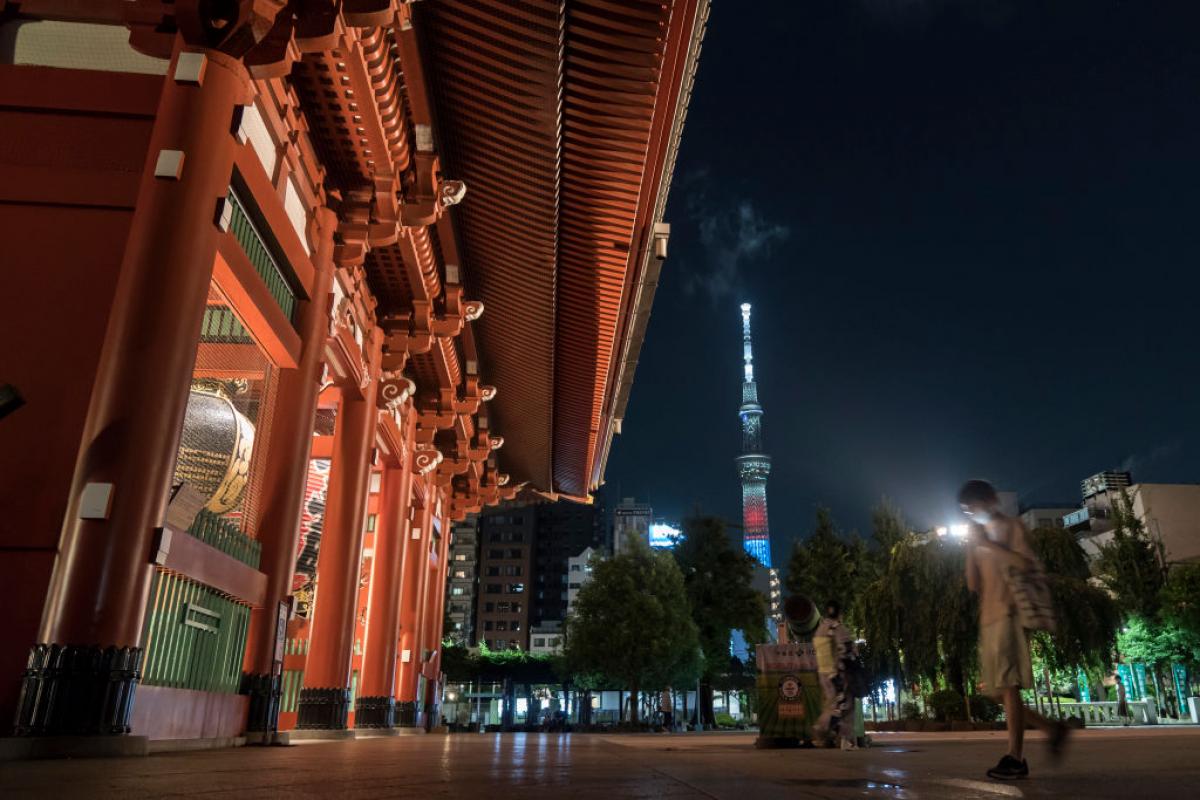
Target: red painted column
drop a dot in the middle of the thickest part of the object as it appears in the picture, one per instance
(82, 674)
(325, 698)
(284, 477)
(424, 607)
(376, 705)
(436, 620)
(416, 561)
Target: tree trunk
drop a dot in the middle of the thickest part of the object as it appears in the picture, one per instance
(704, 705)
(633, 705)
(685, 708)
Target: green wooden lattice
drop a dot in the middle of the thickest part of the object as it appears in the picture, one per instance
(256, 249)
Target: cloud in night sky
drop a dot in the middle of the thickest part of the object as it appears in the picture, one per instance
(732, 235)
(1134, 462)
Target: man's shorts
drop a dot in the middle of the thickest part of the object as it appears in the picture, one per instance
(1004, 655)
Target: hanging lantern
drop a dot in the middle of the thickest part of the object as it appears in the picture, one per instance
(218, 441)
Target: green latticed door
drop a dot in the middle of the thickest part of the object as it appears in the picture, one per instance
(195, 636)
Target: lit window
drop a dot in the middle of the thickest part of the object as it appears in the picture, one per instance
(540, 641)
(371, 520)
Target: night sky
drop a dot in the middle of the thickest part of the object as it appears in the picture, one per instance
(971, 235)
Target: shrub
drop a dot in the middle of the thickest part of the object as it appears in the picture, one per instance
(947, 705)
(984, 708)
(910, 710)
(725, 720)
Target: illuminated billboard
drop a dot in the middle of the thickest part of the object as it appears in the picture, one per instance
(664, 535)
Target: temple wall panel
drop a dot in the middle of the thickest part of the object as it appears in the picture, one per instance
(39, 443)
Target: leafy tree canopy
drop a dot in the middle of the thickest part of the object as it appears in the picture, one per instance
(1131, 565)
(717, 577)
(1088, 616)
(821, 567)
(1158, 643)
(632, 623)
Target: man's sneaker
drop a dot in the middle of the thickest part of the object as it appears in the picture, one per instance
(1009, 769)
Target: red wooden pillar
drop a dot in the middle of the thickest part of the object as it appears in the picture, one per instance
(416, 567)
(325, 698)
(82, 675)
(376, 704)
(284, 477)
(436, 605)
(424, 607)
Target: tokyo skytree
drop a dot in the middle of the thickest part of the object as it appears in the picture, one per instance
(753, 465)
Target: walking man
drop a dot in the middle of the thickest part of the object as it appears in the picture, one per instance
(996, 543)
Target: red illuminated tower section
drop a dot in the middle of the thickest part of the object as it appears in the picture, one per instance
(753, 465)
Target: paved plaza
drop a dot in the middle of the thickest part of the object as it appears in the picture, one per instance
(1127, 763)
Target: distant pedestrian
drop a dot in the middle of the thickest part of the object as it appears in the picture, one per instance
(998, 556)
(1122, 702)
(835, 650)
(666, 704)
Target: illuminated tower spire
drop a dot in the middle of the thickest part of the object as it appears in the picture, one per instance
(753, 465)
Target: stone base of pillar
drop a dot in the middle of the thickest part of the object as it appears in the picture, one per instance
(375, 712)
(323, 709)
(264, 692)
(69, 690)
(406, 714)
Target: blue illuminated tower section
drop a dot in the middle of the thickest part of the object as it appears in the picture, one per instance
(753, 465)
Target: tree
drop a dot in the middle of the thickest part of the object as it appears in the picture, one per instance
(1132, 565)
(921, 622)
(888, 528)
(1087, 615)
(820, 567)
(718, 580)
(1181, 597)
(632, 623)
(1158, 644)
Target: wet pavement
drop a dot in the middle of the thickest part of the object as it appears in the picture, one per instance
(1122, 763)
